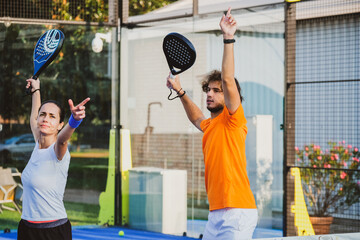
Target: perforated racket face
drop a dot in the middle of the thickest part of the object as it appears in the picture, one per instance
(179, 52)
(46, 49)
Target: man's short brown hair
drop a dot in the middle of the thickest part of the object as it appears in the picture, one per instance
(215, 76)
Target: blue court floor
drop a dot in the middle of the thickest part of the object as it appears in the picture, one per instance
(195, 228)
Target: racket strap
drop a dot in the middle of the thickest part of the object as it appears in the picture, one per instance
(177, 96)
(31, 93)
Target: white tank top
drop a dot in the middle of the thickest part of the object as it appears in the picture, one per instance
(44, 180)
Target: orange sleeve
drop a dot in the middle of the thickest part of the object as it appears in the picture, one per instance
(204, 124)
(237, 119)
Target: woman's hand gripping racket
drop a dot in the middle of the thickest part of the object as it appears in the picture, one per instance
(180, 54)
(47, 48)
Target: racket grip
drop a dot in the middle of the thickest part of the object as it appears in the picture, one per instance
(172, 76)
(28, 90)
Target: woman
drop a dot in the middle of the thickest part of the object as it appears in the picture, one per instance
(45, 175)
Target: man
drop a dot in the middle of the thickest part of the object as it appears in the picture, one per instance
(233, 213)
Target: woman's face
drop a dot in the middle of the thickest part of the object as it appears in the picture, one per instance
(48, 120)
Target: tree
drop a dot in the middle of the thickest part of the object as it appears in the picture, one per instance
(76, 73)
(138, 7)
(73, 10)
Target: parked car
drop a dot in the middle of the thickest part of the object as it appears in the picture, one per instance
(17, 148)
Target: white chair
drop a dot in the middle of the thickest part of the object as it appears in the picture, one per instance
(8, 189)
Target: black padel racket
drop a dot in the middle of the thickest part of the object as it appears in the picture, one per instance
(47, 48)
(179, 52)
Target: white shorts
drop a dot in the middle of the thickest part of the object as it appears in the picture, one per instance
(231, 223)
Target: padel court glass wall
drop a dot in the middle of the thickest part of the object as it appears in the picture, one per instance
(322, 116)
(78, 72)
(161, 134)
(318, 60)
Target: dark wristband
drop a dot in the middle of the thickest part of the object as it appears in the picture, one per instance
(227, 41)
(182, 94)
(177, 92)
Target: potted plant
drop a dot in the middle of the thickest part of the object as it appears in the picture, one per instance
(330, 179)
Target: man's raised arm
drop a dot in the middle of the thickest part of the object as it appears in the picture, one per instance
(231, 94)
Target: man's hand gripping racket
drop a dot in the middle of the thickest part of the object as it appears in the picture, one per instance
(180, 55)
(47, 48)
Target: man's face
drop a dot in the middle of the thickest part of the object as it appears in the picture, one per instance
(215, 97)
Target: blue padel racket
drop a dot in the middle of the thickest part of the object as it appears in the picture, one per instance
(180, 54)
(47, 48)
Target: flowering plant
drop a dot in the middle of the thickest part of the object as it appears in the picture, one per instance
(330, 177)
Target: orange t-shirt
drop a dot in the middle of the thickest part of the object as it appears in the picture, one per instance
(226, 179)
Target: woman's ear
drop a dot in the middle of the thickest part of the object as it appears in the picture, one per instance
(61, 125)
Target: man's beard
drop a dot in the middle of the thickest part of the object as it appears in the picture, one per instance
(216, 109)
